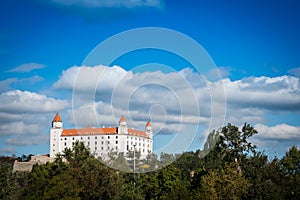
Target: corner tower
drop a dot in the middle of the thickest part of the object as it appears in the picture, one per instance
(57, 121)
(148, 129)
(55, 132)
(123, 129)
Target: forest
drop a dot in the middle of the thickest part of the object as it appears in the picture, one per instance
(228, 167)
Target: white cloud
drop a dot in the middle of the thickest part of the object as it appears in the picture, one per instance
(28, 67)
(278, 132)
(89, 79)
(17, 101)
(218, 73)
(278, 93)
(31, 80)
(295, 72)
(184, 96)
(276, 140)
(112, 91)
(19, 128)
(109, 3)
(25, 140)
(5, 84)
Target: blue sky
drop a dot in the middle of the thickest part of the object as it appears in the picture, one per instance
(254, 44)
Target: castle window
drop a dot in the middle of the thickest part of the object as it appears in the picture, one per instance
(88, 138)
(65, 144)
(95, 137)
(101, 142)
(95, 142)
(65, 138)
(95, 148)
(101, 148)
(108, 137)
(116, 137)
(73, 138)
(108, 147)
(72, 143)
(117, 142)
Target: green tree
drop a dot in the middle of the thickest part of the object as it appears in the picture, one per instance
(7, 183)
(227, 184)
(290, 167)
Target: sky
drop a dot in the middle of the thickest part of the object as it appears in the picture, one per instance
(188, 66)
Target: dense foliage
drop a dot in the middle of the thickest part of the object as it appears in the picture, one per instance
(229, 167)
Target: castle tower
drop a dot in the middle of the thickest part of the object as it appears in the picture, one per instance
(55, 132)
(148, 129)
(57, 121)
(123, 129)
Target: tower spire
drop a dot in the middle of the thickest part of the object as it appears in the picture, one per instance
(57, 118)
(57, 121)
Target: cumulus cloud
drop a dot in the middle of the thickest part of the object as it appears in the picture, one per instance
(218, 73)
(275, 140)
(17, 101)
(184, 96)
(19, 128)
(116, 92)
(25, 140)
(28, 67)
(278, 93)
(278, 132)
(89, 79)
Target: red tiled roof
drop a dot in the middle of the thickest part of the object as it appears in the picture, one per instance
(99, 131)
(137, 133)
(57, 118)
(89, 131)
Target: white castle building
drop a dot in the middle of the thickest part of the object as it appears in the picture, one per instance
(101, 141)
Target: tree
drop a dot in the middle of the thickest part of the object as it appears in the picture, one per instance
(290, 167)
(291, 162)
(7, 183)
(227, 184)
(235, 142)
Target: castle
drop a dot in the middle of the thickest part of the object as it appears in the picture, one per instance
(101, 141)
